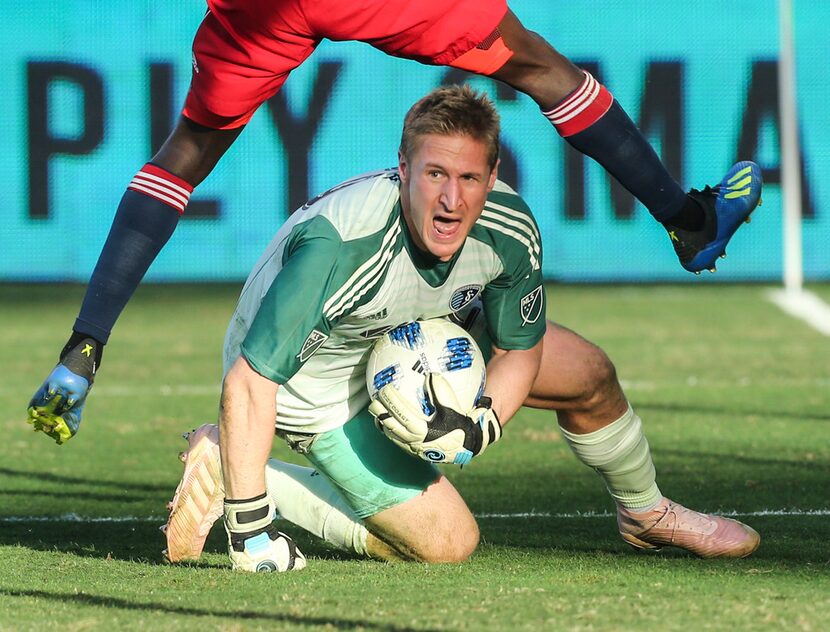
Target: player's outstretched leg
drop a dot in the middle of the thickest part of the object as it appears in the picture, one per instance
(671, 524)
(725, 207)
(197, 503)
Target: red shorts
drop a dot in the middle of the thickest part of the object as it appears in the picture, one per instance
(244, 49)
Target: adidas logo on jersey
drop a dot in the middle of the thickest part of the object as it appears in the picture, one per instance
(377, 332)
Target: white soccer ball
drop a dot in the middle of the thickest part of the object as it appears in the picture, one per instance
(404, 355)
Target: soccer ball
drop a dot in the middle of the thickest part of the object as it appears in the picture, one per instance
(405, 354)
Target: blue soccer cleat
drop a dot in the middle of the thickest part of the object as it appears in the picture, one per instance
(57, 406)
(725, 208)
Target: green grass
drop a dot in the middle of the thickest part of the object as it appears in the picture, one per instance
(734, 395)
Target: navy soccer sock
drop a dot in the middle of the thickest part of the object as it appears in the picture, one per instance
(145, 220)
(594, 123)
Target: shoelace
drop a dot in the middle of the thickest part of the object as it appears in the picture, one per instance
(698, 519)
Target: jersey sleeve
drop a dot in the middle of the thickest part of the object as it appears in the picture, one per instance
(291, 324)
(514, 302)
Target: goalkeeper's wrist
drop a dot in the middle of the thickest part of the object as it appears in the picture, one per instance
(247, 518)
(486, 418)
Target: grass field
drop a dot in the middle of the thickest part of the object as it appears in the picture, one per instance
(734, 395)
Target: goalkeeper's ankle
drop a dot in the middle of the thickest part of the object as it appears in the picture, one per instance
(82, 354)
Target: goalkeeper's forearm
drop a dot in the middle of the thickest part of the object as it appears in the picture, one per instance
(510, 376)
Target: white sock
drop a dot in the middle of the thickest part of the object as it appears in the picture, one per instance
(305, 497)
(619, 453)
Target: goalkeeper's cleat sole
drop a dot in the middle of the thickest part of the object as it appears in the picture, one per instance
(269, 551)
(198, 500)
(671, 524)
(725, 207)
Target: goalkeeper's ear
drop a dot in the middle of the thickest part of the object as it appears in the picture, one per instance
(440, 391)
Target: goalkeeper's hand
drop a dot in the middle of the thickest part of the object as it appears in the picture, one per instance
(56, 407)
(448, 435)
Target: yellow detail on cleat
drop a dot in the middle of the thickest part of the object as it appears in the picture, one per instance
(713, 269)
(742, 184)
(736, 194)
(743, 172)
(87, 350)
(673, 236)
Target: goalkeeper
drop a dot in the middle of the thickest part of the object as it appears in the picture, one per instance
(437, 236)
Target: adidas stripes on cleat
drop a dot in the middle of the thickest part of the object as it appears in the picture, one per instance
(197, 503)
(725, 208)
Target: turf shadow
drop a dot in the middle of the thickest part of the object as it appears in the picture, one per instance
(64, 495)
(134, 541)
(86, 599)
(62, 479)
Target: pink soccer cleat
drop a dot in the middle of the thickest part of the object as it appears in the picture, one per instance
(199, 498)
(670, 524)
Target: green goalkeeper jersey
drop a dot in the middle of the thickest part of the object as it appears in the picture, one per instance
(343, 270)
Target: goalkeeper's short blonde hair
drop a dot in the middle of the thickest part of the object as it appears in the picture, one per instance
(451, 110)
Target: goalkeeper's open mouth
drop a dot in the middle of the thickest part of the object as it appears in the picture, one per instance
(445, 228)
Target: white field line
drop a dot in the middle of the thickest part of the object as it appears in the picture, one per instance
(202, 390)
(805, 306)
(608, 514)
(75, 518)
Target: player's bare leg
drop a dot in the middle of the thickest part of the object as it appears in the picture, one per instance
(579, 382)
(434, 527)
(191, 151)
(536, 68)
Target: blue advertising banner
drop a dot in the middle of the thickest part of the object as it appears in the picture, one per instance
(93, 88)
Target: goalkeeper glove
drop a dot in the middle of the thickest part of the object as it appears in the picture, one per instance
(254, 543)
(56, 407)
(446, 436)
